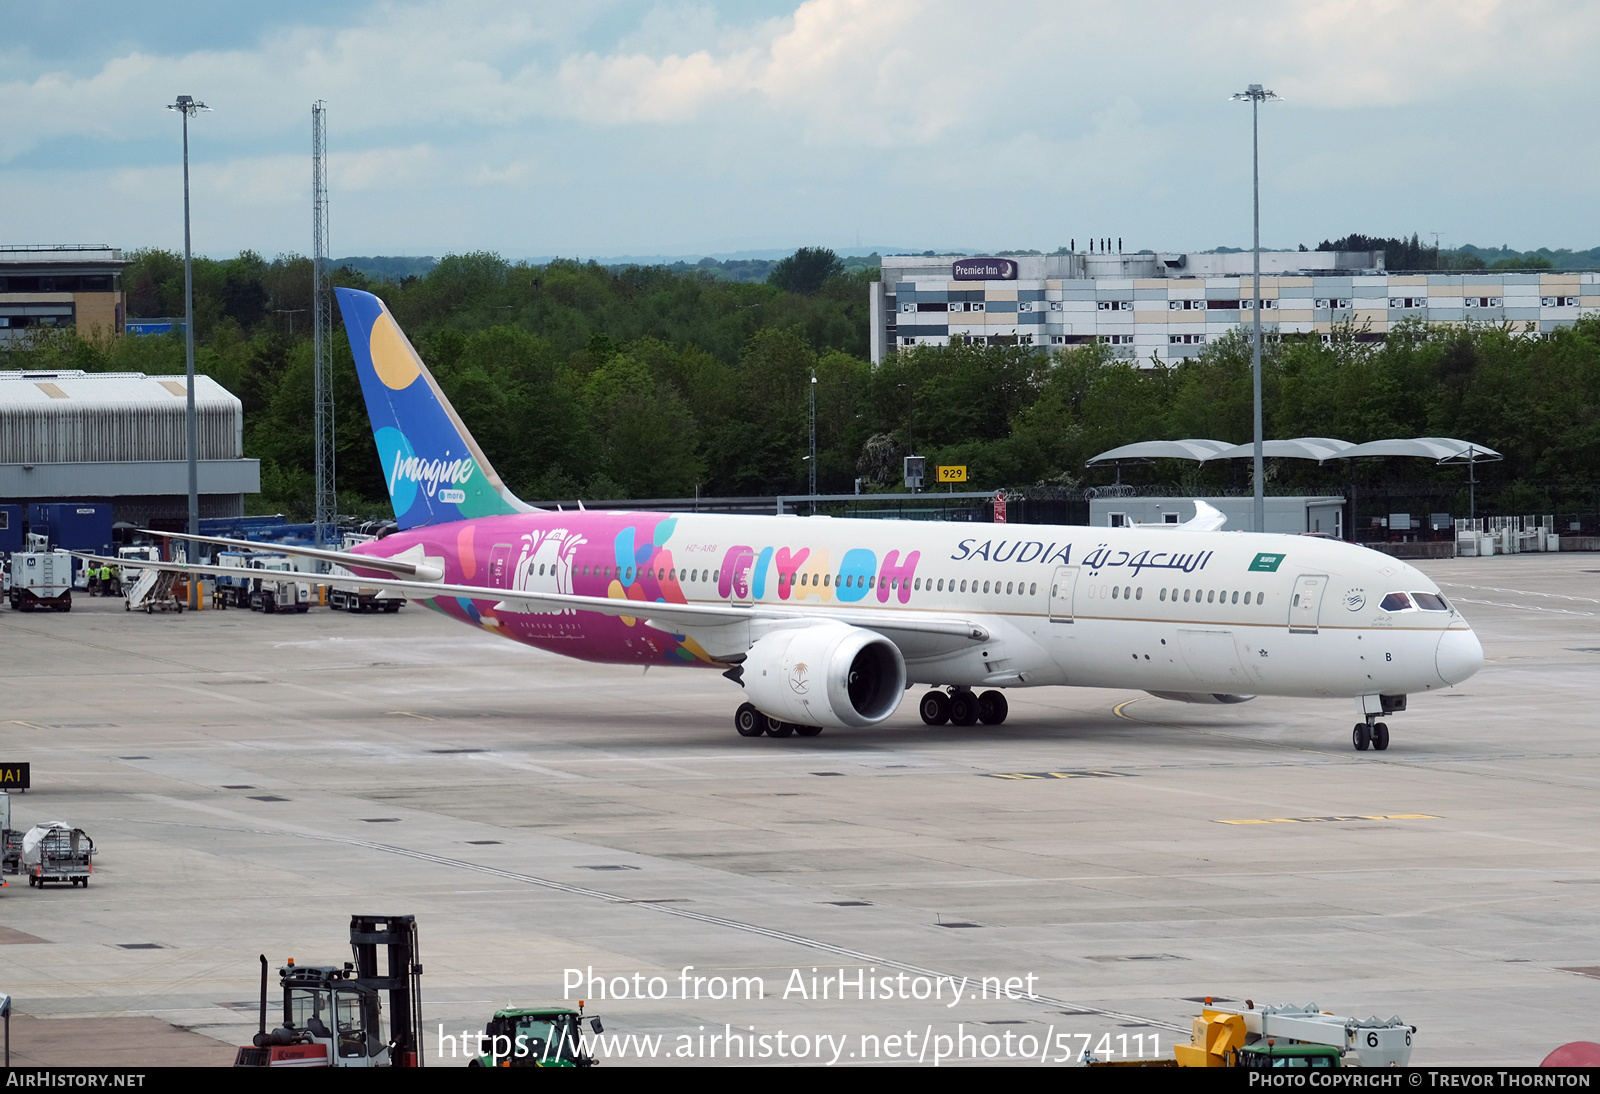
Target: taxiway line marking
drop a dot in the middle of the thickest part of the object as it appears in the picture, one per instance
(1353, 817)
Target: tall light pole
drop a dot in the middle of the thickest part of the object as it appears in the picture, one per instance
(813, 457)
(1257, 95)
(187, 106)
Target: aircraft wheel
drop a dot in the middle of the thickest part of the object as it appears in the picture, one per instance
(775, 728)
(1361, 736)
(749, 721)
(935, 708)
(807, 731)
(963, 709)
(992, 708)
(1380, 736)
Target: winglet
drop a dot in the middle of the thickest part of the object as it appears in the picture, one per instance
(1207, 518)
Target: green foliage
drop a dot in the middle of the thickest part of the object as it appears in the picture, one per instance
(582, 381)
(806, 271)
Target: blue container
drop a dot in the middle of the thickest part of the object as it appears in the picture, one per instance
(73, 525)
(11, 528)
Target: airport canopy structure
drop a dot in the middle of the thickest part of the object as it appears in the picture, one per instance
(1438, 449)
(1192, 449)
(1300, 448)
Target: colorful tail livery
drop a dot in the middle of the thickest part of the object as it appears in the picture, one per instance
(435, 471)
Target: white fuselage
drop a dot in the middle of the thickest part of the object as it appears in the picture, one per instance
(1155, 609)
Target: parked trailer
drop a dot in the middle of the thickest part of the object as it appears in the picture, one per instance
(55, 853)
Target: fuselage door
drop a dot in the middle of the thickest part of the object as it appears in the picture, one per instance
(1062, 586)
(742, 594)
(1306, 603)
(500, 566)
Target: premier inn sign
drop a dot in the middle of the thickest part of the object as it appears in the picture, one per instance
(984, 269)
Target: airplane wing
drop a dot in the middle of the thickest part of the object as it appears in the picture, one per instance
(673, 618)
(406, 564)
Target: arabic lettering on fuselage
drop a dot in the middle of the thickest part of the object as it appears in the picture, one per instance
(1102, 557)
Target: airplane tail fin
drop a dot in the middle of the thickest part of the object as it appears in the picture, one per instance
(435, 471)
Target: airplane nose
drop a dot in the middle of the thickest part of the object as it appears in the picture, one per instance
(1459, 655)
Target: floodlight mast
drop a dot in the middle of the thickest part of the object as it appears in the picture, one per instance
(1257, 95)
(188, 107)
(327, 500)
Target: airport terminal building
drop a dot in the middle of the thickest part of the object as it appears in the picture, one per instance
(61, 285)
(1157, 308)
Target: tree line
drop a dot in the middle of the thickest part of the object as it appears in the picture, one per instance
(642, 382)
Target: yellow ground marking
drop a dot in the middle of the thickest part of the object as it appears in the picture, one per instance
(1317, 820)
(1057, 775)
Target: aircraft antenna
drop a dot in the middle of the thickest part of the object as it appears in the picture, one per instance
(327, 502)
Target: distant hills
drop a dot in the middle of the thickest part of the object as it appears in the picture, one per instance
(741, 269)
(755, 266)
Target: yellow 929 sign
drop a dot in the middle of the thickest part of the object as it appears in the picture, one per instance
(953, 474)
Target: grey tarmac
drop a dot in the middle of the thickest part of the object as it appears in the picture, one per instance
(252, 781)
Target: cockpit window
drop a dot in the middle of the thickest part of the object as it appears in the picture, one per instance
(1430, 602)
(1396, 602)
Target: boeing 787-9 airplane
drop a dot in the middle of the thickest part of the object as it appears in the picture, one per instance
(827, 623)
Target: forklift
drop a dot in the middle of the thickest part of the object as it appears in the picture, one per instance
(333, 1017)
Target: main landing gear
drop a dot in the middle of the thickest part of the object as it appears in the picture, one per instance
(962, 708)
(1371, 733)
(750, 722)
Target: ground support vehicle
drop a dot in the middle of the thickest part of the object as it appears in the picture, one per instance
(232, 590)
(41, 578)
(252, 588)
(277, 593)
(333, 1016)
(536, 1037)
(1290, 1036)
(54, 853)
(10, 840)
(357, 597)
(128, 572)
(156, 589)
(1284, 1036)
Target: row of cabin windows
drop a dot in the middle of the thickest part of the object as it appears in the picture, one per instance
(843, 581)
(1394, 602)
(1196, 596)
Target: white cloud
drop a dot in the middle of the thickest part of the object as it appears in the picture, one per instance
(644, 128)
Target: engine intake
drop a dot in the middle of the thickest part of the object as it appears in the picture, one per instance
(831, 674)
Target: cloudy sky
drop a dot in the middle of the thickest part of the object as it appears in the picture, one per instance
(636, 128)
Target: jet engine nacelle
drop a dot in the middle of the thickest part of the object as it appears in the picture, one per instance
(1209, 698)
(831, 674)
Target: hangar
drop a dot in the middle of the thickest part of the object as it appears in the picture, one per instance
(120, 437)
